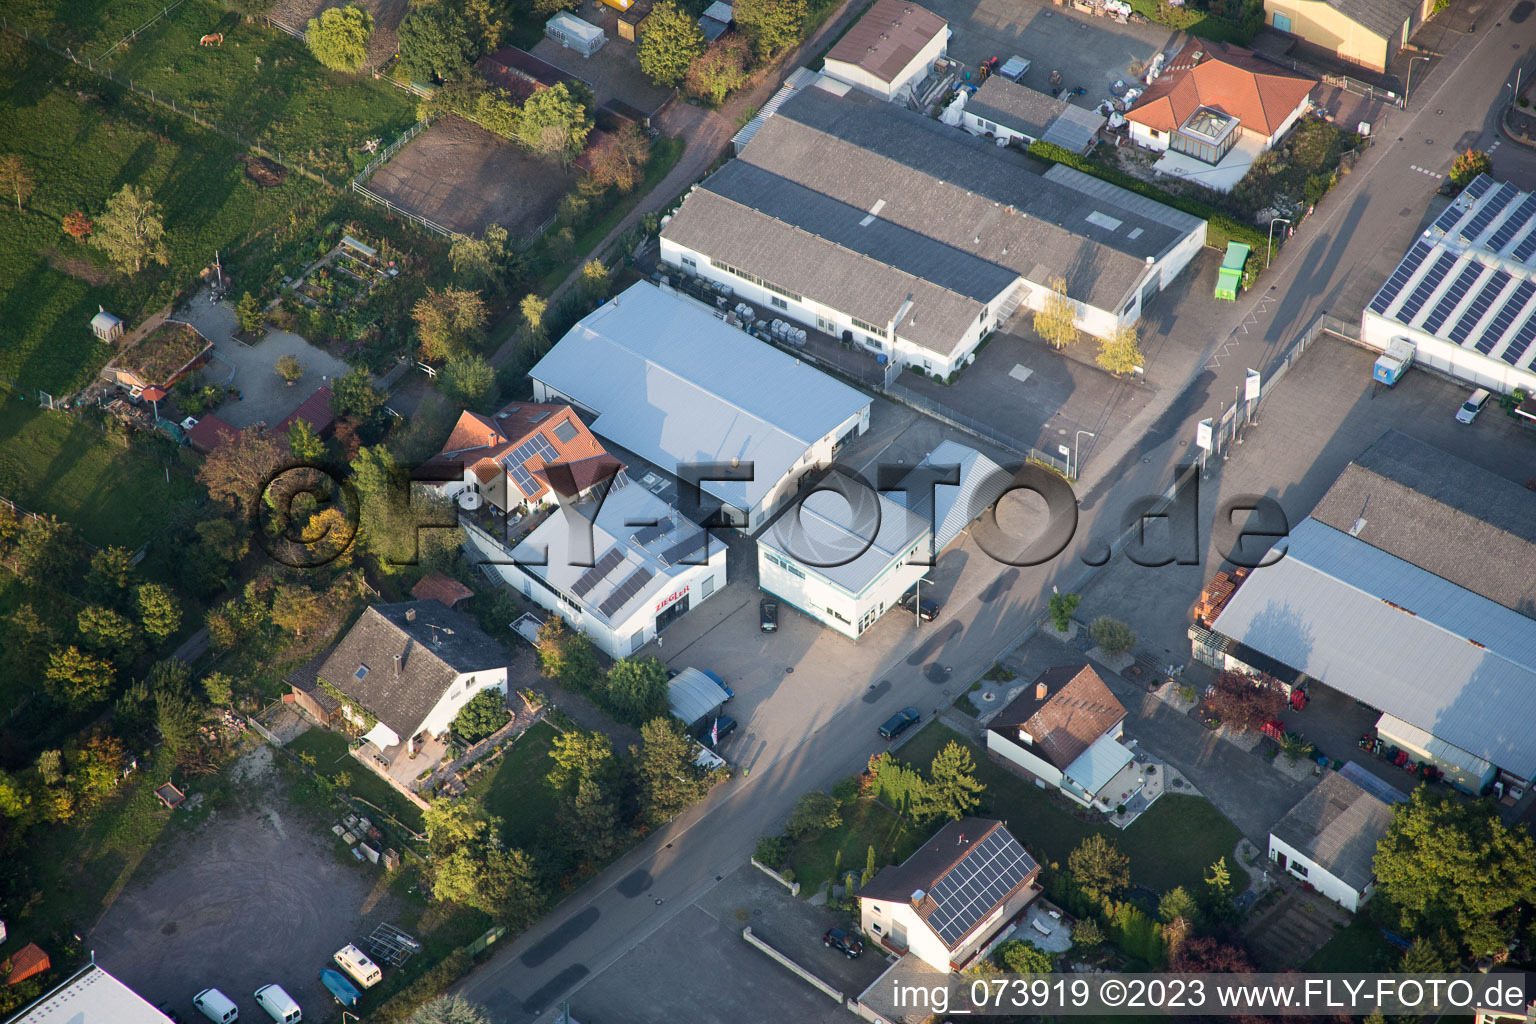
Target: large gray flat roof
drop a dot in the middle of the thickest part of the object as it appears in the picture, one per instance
(1398, 638)
(1337, 826)
(828, 533)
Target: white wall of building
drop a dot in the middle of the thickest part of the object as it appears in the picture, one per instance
(1020, 756)
(979, 125)
(1464, 364)
(1340, 892)
(463, 689)
(850, 614)
(908, 77)
(1151, 138)
(899, 924)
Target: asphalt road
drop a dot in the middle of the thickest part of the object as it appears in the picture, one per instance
(1337, 259)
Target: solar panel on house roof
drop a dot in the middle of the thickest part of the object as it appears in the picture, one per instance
(677, 552)
(1521, 342)
(1513, 223)
(1427, 284)
(593, 576)
(977, 884)
(1453, 296)
(626, 590)
(1491, 209)
(1400, 277)
(1506, 316)
(1479, 307)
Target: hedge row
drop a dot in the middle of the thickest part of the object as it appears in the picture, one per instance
(399, 1008)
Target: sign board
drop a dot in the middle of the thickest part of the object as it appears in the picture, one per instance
(1203, 434)
(1252, 385)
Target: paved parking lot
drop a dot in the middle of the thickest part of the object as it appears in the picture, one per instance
(256, 895)
(699, 960)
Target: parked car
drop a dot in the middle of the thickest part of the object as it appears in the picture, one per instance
(713, 730)
(849, 945)
(927, 607)
(216, 1006)
(730, 694)
(278, 1004)
(899, 723)
(1472, 406)
(768, 616)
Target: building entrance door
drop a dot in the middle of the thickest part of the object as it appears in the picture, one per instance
(675, 611)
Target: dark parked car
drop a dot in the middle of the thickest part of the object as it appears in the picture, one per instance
(729, 693)
(720, 727)
(899, 723)
(849, 945)
(768, 616)
(927, 608)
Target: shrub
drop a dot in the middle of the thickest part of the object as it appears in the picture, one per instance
(815, 812)
(1111, 635)
(846, 791)
(399, 1007)
(772, 851)
(1062, 607)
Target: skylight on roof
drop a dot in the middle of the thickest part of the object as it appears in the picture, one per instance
(362, 670)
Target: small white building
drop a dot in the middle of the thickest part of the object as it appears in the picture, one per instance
(667, 379)
(1017, 114)
(1329, 840)
(574, 34)
(890, 49)
(1464, 296)
(843, 554)
(946, 902)
(621, 571)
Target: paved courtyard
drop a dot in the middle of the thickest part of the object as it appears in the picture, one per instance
(614, 71)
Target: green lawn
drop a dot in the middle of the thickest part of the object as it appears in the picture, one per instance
(1174, 843)
(515, 791)
(52, 464)
(331, 759)
(1359, 947)
(865, 824)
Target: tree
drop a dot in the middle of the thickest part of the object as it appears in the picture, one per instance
(1062, 607)
(490, 261)
(434, 43)
(305, 444)
(78, 226)
(289, 368)
(533, 308)
(248, 314)
(1426, 956)
(1111, 635)
(671, 42)
(773, 26)
(296, 608)
(953, 791)
(28, 642)
(1099, 869)
(871, 867)
(16, 180)
(486, 23)
(159, 612)
(178, 716)
(45, 549)
(1469, 165)
(354, 396)
(620, 161)
(814, 813)
(585, 775)
(637, 689)
(1087, 935)
(77, 679)
(96, 769)
(1206, 955)
(1121, 352)
(1245, 702)
(1177, 902)
(471, 867)
(718, 70)
(555, 123)
(1220, 894)
(1056, 320)
(339, 37)
(448, 322)
(468, 379)
(110, 574)
(237, 472)
(580, 756)
(219, 689)
(1457, 867)
(450, 1010)
(482, 715)
(669, 780)
(1017, 957)
(566, 656)
(595, 281)
(107, 633)
(131, 230)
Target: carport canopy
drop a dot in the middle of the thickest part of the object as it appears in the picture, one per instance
(693, 696)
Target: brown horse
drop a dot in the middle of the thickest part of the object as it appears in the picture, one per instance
(212, 39)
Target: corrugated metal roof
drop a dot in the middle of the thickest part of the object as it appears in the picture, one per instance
(692, 695)
(1443, 752)
(1098, 764)
(673, 384)
(1398, 638)
(796, 79)
(953, 507)
(828, 534)
(1075, 129)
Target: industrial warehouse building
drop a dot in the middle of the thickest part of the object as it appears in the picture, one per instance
(1408, 589)
(91, 996)
(950, 508)
(1364, 32)
(885, 228)
(662, 376)
(605, 572)
(1464, 296)
(889, 49)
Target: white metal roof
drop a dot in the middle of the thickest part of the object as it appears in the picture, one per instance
(674, 384)
(91, 997)
(104, 320)
(796, 79)
(1398, 638)
(951, 507)
(1442, 751)
(1098, 764)
(572, 25)
(828, 533)
(692, 695)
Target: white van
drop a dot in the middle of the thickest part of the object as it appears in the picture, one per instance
(278, 1004)
(356, 963)
(216, 1006)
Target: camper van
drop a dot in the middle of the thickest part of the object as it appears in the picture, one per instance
(356, 963)
(278, 1004)
(216, 1006)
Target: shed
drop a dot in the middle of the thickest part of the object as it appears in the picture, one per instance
(711, 28)
(106, 326)
(209, 432)
(1230, 277)
(574, 34)
(694, 696)
(633, 20)
(1394, 362)
(721, 11)
(26, 962)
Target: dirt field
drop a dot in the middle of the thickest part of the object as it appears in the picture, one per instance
(464, 178)
(256, 895)
(387, 15)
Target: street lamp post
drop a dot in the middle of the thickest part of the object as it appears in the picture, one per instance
(917, 603)
(1076, 458)
(1270, 248)
(1408, 87)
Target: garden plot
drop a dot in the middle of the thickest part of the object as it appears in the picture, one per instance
(464, 178)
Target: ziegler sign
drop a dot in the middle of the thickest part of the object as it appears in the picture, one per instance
(670, 598)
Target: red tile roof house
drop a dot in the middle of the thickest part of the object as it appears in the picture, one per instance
(1213, 94)
(1064, 731)
(527, 455)
(949, 901)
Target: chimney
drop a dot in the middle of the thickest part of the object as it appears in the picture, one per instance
(398, 657)
(410, 615)
(917, 896)
(1040, 691)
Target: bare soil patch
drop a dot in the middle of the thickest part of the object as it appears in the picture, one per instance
(79, 268)
(264, 172)
(463, 177)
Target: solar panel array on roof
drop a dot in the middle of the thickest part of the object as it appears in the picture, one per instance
(683, 549)
(1479, 307)
(1400, 277)
(1427, 284)
(1448, 219)
(1453, 296)
(539, 445)
(1491, 209)
(1526, 248)
(1521, 342)
(977, 884)
(1513, 223)
(1506, 316)
(1480, 184)
(593, 576)
(626, 590)
(650, 533)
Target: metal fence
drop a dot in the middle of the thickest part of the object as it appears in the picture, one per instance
(414, 218)
(135, 33)
(390, 150)
(1344, 82)
(956, 418)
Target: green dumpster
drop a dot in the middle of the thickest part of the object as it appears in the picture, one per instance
(1231, 274)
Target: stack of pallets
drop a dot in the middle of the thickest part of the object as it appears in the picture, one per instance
(1214, 597)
